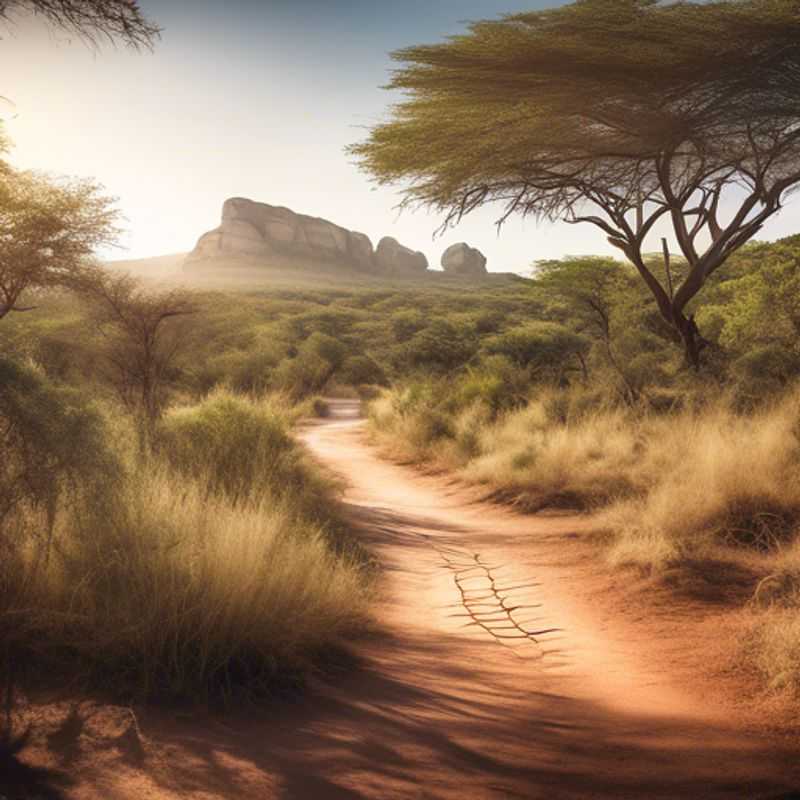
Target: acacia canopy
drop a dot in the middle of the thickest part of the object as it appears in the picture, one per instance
(49, 230)
(614, 112)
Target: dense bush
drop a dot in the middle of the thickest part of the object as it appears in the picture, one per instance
(214, 566)
(243, 449)
(52, 443)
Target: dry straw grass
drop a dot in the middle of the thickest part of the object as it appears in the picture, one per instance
(670, 490)
(665, 485)
(205, 574)
(773, 641)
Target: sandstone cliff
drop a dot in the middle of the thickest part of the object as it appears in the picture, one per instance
(260, 230)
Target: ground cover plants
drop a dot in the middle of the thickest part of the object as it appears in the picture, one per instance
(561, 391)
(212, 567)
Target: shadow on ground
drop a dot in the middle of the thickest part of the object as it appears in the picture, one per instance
(21, 781)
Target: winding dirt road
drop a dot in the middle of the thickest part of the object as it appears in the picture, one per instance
(514, 667)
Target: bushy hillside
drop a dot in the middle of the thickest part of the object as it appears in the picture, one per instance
(563, 390)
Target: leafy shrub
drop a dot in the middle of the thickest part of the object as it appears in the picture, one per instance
(361, 370)
(52, 442)
(406, 323)
(548, 350)
(498, 383)
(439, 347)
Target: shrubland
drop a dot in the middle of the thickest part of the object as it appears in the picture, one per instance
(566, 390)
(591, 407)
(211, 567)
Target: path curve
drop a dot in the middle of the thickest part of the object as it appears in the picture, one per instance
(510, 666)
(506, 681)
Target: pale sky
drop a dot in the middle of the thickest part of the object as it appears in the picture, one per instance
(251, 99)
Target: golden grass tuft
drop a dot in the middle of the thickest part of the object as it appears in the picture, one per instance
(710, 478)
(694, 489)
(772, 644)
(211, 571)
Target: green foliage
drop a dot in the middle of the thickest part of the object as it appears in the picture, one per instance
(441, 346)
(53, 444)
(325, 347)
(251, 371)
(241, 448)
(546, 348)
(617, 114)
(406, 323)
(360, 370)
(50, 229)
(497, 383)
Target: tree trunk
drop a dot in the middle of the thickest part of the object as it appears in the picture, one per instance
(693, 342)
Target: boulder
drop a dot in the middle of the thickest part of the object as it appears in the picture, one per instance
(396, 259)
(258, 229)
(461, 259)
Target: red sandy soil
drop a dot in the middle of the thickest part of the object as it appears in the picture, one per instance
(629, 694)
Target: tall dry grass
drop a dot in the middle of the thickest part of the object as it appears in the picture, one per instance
(668, 489)
(710, 478)
(214, 569)
(538, 455)
(665, 484)
(772, 643)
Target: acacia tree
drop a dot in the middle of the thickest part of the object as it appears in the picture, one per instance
(618, 113)
(143, 341)
(581, 293)
(48, 230)
(91, 20)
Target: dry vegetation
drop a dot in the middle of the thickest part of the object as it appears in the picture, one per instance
(212, 568)
(562, 391)
(699, 486)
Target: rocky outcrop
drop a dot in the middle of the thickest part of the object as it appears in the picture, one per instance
(393, 258)
(461, 259)
(261, 230)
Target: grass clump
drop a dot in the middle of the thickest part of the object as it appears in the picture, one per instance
(773, 647)
(541, 461)
(242, 447)
(212, 569)
(198, 597)
(711, 478)
(772, 643)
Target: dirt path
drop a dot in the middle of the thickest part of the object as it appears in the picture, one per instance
(512, 669)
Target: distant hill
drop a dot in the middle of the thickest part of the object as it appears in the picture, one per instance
(254, 273)
(283, 272)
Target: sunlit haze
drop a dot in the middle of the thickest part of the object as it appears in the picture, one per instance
(252, 99)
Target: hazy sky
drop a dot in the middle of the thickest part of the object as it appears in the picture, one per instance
(251, 99)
